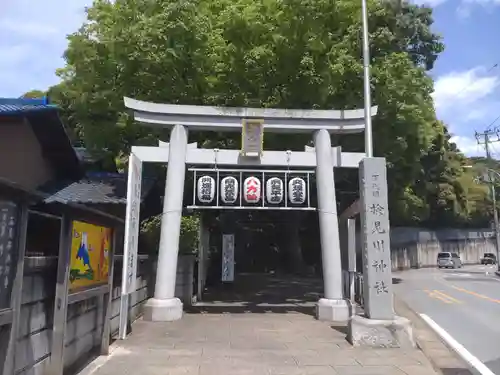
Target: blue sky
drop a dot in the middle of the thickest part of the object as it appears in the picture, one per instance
(467, 87)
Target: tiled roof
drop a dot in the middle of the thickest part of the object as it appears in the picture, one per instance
(95, 189)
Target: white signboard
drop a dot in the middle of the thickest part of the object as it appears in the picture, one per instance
(8, 251)
(274, 190)
(252, 137)
(228, 257)
(297, 190)
(129, 275)
(229, 189)
(252, 190)
(206, 189)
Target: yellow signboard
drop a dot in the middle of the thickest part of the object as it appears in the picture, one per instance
(90, 250)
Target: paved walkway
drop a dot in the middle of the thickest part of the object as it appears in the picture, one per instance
(279, 336)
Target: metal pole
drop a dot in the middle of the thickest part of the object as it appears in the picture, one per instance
(495, 216)
(56, 364)
(495, 211)
(366, 82)
(491, 181)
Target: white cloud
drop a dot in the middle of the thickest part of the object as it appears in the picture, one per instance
(432, 3)
(463, 88)
(468, 145)
(13, 55)
(482, 2)
(30, 29)
(467, 101)
(35, 45)
(464, 7)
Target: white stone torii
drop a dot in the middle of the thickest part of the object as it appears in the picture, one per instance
(164, 306)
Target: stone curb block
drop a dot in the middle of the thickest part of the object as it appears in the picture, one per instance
(453, 364)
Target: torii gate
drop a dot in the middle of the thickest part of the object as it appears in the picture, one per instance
(177, 153)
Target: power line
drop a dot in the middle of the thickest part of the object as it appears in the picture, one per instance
(469, 84)
(489, 127)
(488, 137)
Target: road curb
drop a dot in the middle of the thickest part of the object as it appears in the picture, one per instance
(443, 358)
(497, 273)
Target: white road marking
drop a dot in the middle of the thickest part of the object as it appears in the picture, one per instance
(464, 353)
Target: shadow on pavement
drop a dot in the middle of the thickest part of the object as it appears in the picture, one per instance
(261, 293)
(457, 371)
(340, 328)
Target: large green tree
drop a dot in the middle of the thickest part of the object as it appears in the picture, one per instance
(263, 53)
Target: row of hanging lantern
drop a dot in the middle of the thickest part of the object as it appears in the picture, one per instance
(252, 190)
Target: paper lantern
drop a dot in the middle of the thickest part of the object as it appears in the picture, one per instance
(206, 189)
(251, 190)
(229, 189)
(274, 190)
(297, 190)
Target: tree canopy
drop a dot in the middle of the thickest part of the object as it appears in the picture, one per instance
(273, 53)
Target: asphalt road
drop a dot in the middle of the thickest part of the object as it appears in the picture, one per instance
(464, 302)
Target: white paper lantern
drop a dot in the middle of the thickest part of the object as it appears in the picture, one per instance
(252, 189)
(206, 189)
(297, 190)
(229, 189)
(274, 190)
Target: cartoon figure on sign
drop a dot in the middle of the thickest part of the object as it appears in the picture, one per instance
(104, 255)
(84, 270)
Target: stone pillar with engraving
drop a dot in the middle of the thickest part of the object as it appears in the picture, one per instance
(375, 232)
(379, 327)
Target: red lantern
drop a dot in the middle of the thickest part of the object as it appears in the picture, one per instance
(252, 190)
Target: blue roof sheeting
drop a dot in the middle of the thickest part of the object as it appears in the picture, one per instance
(11, 106)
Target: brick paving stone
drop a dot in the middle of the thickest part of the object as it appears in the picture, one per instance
(301, 370)
(368, 370)
(218, 343)
(413, 370)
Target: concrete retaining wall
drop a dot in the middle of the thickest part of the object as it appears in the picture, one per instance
(415, 247)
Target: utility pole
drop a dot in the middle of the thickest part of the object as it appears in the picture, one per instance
(366, 81)
(485, 138)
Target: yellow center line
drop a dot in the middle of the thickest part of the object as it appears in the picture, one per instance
(447, 296)
(437, 296)
(476, 294)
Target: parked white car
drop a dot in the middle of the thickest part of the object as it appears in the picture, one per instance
(449, 260)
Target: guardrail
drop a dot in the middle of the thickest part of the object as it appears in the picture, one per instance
(353, 286)
(358, 289)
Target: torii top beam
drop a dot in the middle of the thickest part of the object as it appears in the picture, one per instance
(230, 118)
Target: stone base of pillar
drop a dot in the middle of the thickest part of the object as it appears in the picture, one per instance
(372, 333)
(333, 310)
(162, 310)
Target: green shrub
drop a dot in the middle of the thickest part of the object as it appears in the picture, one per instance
(188, 241)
